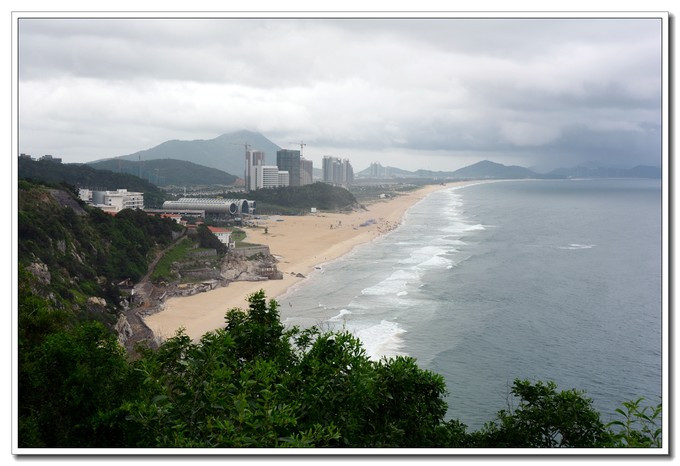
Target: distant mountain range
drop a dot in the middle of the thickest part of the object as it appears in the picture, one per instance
(480, 170)
(225, 152)
(640, 171)
(168, 172)
(491, 170)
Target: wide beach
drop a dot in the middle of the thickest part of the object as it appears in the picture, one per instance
(300, 243)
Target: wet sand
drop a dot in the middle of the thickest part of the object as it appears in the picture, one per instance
(300, 243)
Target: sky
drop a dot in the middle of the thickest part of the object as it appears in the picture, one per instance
(436, 94)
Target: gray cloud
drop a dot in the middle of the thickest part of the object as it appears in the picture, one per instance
(539, 91)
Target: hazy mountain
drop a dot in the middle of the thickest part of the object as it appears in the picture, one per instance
(488, 169)
(225, 152)
(390, 172)
(583, 171)
(479, 170)
(168, 172)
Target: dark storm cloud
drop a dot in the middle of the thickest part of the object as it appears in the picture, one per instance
(551, 88)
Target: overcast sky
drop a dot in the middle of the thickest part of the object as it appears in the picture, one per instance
(437, 94)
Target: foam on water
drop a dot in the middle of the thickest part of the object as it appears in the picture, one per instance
(392, 284)
(343, 312)
(383, 339)
(577, 246)
(436, 262)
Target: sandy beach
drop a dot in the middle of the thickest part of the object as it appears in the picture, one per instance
(300, 243)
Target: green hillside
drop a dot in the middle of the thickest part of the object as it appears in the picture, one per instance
(84, 176)
(169, 172)
(293, 200)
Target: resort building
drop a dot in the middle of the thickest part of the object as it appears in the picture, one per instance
(113, 200)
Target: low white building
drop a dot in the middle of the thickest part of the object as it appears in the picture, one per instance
(269, 176)
(223, 234)
(113, 200)
(124, 199)
(85, 195)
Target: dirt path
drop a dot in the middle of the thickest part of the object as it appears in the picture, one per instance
(143, 291)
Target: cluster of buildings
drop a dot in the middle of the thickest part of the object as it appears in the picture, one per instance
(44, 158)
(292, 169)
(336, 171)
(376, 170)
(113, 201)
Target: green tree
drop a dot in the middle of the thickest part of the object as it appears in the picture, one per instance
(254, 383)
(70, 386)
(545, 418)
(639, 428)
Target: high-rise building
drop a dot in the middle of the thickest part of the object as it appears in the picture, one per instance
(306, 171)
(289, 160)
(377, 170)
(337, 171)
(254, 158)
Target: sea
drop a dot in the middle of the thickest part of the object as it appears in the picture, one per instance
(533, 279)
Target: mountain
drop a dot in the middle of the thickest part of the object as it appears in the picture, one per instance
(488, 169)
(584, 171)
(479, 170)
(388, 172)
(84, 176)
(225, 152)
(168, 172)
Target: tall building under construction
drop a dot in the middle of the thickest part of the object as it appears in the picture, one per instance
(289, 160)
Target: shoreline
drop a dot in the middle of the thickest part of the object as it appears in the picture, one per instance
(302, 244)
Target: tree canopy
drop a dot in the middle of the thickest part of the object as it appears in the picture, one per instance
(255, 383)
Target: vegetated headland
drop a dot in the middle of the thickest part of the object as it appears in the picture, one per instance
(102, 296)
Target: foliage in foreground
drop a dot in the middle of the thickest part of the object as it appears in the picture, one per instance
(256, 384)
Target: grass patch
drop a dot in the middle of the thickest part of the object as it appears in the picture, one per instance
(238, 235)
(178, 253)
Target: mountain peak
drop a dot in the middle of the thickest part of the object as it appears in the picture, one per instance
(225, 152)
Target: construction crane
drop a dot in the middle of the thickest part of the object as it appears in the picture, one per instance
(301, 144)
(245, 144)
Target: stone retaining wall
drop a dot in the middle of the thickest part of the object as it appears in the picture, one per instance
(249, 251)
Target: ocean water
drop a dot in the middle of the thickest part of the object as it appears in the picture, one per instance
(546, 280)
